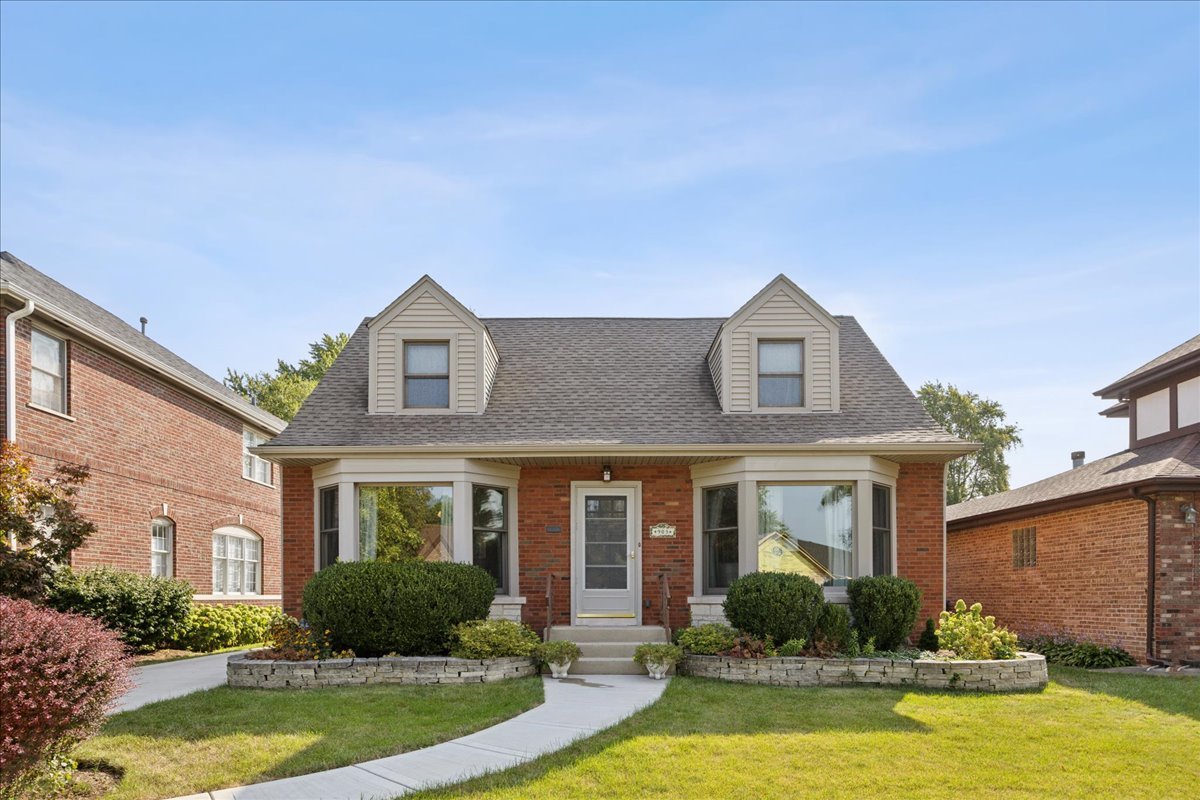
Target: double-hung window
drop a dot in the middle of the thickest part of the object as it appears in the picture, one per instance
(489, 536)
(780, 373)
(254, 467)
(719, 549)
(881, 530)
(426, 374)
(162, 545)
(328, 526)
(236, 562)
(48, 377)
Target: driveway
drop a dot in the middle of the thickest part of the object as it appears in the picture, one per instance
(155, 682)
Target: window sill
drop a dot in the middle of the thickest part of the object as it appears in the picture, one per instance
(237, 597)
(508, 600)
(256, 480)
(50, 411)
(706, 599)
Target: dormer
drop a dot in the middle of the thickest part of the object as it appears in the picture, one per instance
(429, 355)
(778, 354)
(1161, 398)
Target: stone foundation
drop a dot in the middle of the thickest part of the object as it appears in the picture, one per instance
(252, 673)
(509, 608)
(707, 609)
(1020, 674)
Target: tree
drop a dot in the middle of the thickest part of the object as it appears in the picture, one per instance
(39, 523)
(970, 417)
(285, 390)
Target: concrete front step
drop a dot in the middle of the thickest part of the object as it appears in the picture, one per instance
(581, 634)
(590, 665)
(607, 650)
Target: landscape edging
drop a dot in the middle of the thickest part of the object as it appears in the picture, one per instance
(256, 673)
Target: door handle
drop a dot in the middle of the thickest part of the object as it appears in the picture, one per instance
(633, 554)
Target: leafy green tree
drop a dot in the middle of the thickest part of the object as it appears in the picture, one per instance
(283, 391)
(970, 417)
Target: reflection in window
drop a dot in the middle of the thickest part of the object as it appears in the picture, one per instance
(397, 523)
(719, 550)
(490, 533)
(329, 527)
(807, 530)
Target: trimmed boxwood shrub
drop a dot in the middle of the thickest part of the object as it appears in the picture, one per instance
(58, 675)
(885, 608)
(146, 612)
(833, 634)
(408, 608)
(213, 627)
(778, 605)
(493, 638)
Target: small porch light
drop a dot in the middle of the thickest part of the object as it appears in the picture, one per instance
(607, 474)
(1187, 509)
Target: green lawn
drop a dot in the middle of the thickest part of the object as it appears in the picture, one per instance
(226, 737)
(1087, 735)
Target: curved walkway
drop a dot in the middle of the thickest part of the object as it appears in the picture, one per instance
(574, 708)
(154, 682)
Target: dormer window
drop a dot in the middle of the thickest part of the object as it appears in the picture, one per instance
(780, 373)
(426, 374)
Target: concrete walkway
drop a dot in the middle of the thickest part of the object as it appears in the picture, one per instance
(575, 708)
(155, 682)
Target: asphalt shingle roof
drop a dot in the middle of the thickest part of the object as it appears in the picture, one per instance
(1174, 459)
(42, 287)
(1174, 354)
(613, 381)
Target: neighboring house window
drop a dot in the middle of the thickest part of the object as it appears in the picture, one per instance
(489, 543)
(426, 374)
(236, 562)
(881, 530)
(780, 373)
(49, 374)
(401, 522)
(162, 547)
(719, 550)
(253, 467)
(328, 526)
(1024, 548)
(807, 529)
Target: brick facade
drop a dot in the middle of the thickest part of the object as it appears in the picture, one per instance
(299, 543)
(147, 443)
(1177, 580)
(920, 533)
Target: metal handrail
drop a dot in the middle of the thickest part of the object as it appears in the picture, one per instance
(665, 599)
(550, 576)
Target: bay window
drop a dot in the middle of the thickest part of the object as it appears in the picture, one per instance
(396, 523)
(719, 549)
(489, 534)
(881, 530)
(807, 529)
(328, 527)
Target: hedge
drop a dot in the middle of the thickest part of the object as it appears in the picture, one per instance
(147, 612)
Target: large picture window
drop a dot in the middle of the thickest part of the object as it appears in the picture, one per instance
(807, 529)
(236, 562)
(780, 373)
(489, 536)
(719, 550)
(396, 523)
(162, 546)
(328, 526)
(426, 374)
(48, 377)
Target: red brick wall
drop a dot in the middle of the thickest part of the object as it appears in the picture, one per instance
(920, 514)
(298, 532)
(1090, 578)
(147, 443)
(1177, 582)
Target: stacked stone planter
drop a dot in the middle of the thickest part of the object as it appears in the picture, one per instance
(252, 673)
(1024, 673)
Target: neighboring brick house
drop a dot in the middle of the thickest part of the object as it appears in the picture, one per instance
(1080, 552)
(174, 490)
(582, 461)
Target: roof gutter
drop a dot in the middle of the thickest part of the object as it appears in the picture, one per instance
(255, 416)
(1107, 494)
(10, 369)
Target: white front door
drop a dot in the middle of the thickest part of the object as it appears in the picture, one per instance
(605, 570)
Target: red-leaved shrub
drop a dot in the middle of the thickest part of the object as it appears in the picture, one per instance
(58, 675)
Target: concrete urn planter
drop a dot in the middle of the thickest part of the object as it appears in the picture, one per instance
(559, 670)
(657, 671)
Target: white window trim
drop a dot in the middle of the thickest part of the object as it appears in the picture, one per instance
(170, 551)
(245, 534)
(64, 365)
(256, 459)
(802, 335)
(509, 535)
(447, 335)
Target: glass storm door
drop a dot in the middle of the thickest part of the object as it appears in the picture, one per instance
(606, 570)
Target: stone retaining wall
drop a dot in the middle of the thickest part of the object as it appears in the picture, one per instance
(1024, 673)
(263, 674)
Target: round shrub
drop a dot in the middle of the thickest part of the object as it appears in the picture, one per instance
(706, 640)
(146, 612)
(408, 607)
(213, 627)
(778, 605)
(58, 675)
(885, 608)
(493, 638)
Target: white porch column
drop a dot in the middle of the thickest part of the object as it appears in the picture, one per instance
(747, 527)
(460, 533)
(347, 522)
(863, 523)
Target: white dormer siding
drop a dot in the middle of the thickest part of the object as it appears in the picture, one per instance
(781, 312)
(427, 313)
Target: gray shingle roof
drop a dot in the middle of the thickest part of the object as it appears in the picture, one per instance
(1183, 351)
(27, 282)
(613, 381)
(1172, 460)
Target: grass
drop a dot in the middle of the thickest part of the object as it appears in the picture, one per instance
(228, 737)
(1087, 735)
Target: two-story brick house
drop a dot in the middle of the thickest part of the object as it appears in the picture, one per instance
(1108, 550)
(174, 488)
(590, 463)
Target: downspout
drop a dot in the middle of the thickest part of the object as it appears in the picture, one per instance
(1151, 531)
(10, 370)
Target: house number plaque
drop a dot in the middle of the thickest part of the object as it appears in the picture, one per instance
(662, 531)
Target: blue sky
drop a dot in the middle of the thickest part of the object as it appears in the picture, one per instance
(1006, 196)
